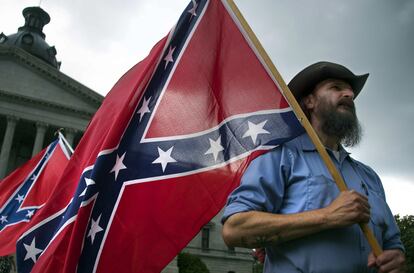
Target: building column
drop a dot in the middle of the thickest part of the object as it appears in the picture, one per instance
(70, 136)
(7, 143)
(40, 137)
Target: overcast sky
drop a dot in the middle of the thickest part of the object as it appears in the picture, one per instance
(98, 41)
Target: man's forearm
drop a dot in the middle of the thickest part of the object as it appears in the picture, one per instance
(259, 229)
(256, 229)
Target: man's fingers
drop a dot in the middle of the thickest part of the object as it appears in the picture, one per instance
(385, 258)
(363, 200)
(360, 206)
(371, 260)
(359, 198)
(350, 207)
(390, 260)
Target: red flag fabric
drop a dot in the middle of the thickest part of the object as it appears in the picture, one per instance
(25, 191)
(169, 143)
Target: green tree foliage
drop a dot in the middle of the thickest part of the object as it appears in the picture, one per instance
(5, 265)
(188, 263)
(406, 225)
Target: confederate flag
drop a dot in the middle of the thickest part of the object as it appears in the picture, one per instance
(25, 191)
(169, 143)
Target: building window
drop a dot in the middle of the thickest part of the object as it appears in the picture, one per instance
(27, 39)
(205, 239)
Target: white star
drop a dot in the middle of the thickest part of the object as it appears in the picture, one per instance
(3, 219)
(32, 251)
(88, 182)
(119, 165)
(215, 147)
(255, 130)
(19, 198)
(30, 213)
(193, 9)
(144, 108)
(95, 228)
(169, 57)
(164, 158)
(33, 177)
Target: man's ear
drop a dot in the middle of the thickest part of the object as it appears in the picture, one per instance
(309, 101)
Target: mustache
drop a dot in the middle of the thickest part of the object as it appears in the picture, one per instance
(348, 102)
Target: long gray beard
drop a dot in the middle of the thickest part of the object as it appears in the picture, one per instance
(344, 126)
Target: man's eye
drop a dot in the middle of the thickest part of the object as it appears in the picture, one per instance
(336, 87)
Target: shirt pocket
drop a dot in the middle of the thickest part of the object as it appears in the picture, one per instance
(320, 192)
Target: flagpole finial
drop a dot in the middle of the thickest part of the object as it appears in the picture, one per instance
(60, 135)
(59, 131)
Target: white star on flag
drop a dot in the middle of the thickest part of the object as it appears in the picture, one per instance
(88, 182)
(30, 213)
(215, 147)
(255, 130)
(3, 219)
(144, 108)
(164, 158)
(33, 177)
(32, 251)
(119, 165)
(19, 198)
(95, 228)
(192, 11)
(169, 57)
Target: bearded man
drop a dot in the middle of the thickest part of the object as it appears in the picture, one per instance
(288, 203)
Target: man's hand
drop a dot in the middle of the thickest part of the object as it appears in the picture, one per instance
(392, 261)
(348, 208)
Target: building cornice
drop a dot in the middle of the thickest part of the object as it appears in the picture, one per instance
(52, 73)
(46, 104)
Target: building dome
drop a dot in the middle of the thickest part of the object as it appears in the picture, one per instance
(31, 38)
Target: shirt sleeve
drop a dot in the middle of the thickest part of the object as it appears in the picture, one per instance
(261, 187)
(390, 232)
(392, 235)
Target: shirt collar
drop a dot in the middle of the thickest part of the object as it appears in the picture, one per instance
(308, 146)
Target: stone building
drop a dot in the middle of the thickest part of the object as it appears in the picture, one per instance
(36, 99)
(209, 246)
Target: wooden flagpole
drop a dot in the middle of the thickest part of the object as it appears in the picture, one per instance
(376, 248)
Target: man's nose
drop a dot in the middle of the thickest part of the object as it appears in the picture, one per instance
(349, 93)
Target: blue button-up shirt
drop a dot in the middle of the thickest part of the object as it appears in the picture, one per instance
(293, 178)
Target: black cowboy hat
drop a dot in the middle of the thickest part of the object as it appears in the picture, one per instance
(306, 80)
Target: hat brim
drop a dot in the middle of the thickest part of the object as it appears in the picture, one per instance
(306, 80)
